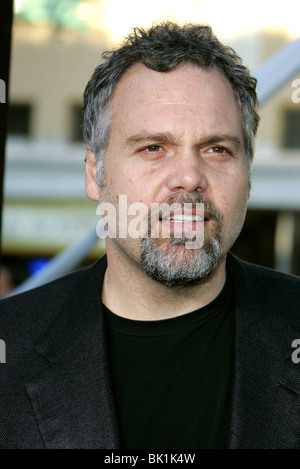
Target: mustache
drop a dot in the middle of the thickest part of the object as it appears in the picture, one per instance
(182, 198)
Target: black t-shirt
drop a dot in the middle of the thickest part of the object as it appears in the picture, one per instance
(172, 377)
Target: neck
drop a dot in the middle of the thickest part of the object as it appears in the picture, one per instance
(130, 293)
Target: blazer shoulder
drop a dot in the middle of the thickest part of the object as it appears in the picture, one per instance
(274, 277)
(36, 308)
(264, 274)
(268, 289)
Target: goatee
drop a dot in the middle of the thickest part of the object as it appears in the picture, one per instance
(170, 263)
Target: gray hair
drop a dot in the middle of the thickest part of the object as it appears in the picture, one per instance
(162, 48)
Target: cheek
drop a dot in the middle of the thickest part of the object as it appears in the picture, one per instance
(133, 189)
(231, 196)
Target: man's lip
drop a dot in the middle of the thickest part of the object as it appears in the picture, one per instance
(187, 213)
(184, 221)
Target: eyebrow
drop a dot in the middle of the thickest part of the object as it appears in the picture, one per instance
(168, 137)
(223, 138)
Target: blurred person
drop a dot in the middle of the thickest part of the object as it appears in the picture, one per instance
(159, 345)
(7, 284)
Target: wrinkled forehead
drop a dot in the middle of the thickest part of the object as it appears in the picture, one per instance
(141, 78)
(201, 97)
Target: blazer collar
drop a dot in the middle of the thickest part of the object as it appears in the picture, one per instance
(72, 398)
(266, 381)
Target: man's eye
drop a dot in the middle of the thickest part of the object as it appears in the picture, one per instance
(218, 149)
(153, 148)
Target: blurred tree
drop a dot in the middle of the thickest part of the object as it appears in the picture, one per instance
(59, 13)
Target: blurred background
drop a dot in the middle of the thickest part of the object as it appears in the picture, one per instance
(56, 44)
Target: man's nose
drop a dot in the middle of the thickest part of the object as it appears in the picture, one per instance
(187, 173)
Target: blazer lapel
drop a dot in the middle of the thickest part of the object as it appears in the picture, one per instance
(266, 381)
(72, 399)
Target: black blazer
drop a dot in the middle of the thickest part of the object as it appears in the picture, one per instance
(55, 388)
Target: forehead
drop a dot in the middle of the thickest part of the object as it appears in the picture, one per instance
(188, 92)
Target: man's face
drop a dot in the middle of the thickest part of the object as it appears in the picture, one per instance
(177, 137)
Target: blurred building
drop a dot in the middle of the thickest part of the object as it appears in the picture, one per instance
(45, 204)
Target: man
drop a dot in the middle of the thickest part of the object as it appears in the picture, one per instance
(163, 343)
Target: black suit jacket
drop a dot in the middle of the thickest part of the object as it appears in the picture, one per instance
(55, 387)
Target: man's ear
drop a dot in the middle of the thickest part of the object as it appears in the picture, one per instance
(91, 188)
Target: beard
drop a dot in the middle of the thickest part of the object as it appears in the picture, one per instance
(170, 263)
